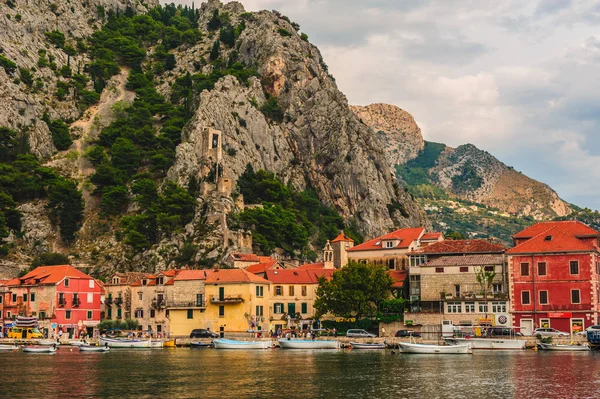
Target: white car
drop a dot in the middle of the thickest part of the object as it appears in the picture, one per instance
(590, 328)
(549, 332)
(359, 334)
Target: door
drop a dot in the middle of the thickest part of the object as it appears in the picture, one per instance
(526, 326)
(576, 326)
(221, 293)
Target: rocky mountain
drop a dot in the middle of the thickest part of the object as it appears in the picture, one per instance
(465, 173)
(114, 98)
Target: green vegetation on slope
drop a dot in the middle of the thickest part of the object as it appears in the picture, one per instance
(416, 171)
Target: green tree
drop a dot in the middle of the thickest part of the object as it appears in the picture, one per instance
(66, 205)
(215, 51)
(354, 291)
(50, 259)
(125, 155)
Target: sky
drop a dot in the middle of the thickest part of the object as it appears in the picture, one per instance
(519, 79)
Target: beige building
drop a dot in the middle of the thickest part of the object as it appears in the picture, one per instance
(149, 297)
(391, 249)
(187, 303)
(117, 296)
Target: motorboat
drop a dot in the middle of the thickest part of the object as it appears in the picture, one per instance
(79, 343)
(407, 347)
(156, 344)
(488, 343)
(359, 345)
(566, 348)
(39, 349)
(90, 348)
(4, 347)
(201, 345)
(222, 343)
(286, 343)
(125, 343)
(48, 342)
(169, 343)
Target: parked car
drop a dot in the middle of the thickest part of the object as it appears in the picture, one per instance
(550, 332)
(407, 333)
(590, 328)
(354, 333)
(502, 331)
(202, 333)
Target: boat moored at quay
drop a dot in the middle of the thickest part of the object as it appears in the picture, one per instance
(125, 343)
(427, 349)
(286, 343)
(223, 343)
(488, 343)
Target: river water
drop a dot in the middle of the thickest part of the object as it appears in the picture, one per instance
(276, 373)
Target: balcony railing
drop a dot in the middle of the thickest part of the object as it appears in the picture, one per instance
(76, 302)
(118, 301)
(62, 302)
(185, 304)
(226, 299)
(158, 303)
(108, 301)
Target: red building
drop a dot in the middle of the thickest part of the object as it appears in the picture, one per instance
(553, 276)
(61, 297)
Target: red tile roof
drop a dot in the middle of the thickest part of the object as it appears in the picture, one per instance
(317, 273)
(555, 239)
(460, 247)
(311, 266)
(398, 276)
(245, 257)
(186, 275)
(466, 260)
(431, 236)
(406, 237)
(224, 276)
(291, 276)
(342, 237)
(261, 267)
(571, 227)
(49, 275)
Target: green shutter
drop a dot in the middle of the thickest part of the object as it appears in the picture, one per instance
(291, 309)
(304, 308)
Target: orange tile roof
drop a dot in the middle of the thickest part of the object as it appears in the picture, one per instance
(431, 236)
(49, 275)
(342, 237)
(291, 276)
(460, 247)
(406, 237)
(571, 227)
(185, 275)
(398, 276)
(245, 257)
(261, 267)
(224, 276)
(554, 239)
(317, 273)
(170, 272)
(311, 266)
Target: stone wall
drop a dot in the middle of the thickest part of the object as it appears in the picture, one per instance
(433, 284)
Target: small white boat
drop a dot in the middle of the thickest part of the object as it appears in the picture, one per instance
(223, 343)
(285, 343)
(125, 343)
(48, 342)
(8, 347)
(94, 348)
(156, 344)
(406, 347)
(488, 343)
(566, 348)
(359, 345)
(39, 349)
(79, 343)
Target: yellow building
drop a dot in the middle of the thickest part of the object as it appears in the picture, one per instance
(236, 301)
(186, 305)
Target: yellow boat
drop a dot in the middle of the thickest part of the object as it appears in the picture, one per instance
(169, 343)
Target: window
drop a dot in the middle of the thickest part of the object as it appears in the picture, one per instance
(190, 313)
(199, 300)
(90, 297)
(278, 290)
(499, 307)
(160, 280)
(259, 311)
(152, 313)
(259, 290)
(575, 297)
(43, 315)
(497, 288)
(464, 269)
(457, 290)
(140, 296)
(0, 298)
(109, 313)
(488, 268)
(119, 313)
(159, 328)
(525, 299)
(543, 297)
(215, 141)
(221, 293)
(439, 270)
(61, 298)
(391, 264)
(291, 309)
(144, 282)
(66, 282)
(541, 268)
(574, 266)
(524, 269)
(278, 308)
(303, 289)
(24, 297)
(417, 260)
(91, 283)
(14, 298)
(304, 307)
(454, 307)
(291, 290)
(483, 307)
(389, 244)
(470, 307)
(89, 315)
(221, 311)
(68, 314)
(139, 313)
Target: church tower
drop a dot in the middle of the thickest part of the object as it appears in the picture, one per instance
(328, 256)
(340, 244)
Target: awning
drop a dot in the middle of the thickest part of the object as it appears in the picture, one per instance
(91, 323)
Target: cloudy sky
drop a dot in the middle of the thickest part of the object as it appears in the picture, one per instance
(520, 79)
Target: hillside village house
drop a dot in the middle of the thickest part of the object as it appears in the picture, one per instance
(186, 304)
(149, 297)
(553, 276)
(241, 261)
(61, 297)
(443, 276)
(391, 249)
(117, 295)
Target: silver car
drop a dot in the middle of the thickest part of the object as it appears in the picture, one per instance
(359, 334)
(550, 332)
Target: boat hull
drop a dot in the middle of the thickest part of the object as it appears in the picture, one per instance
(156, 344)
(39, 349)
(406, 347)
(124, 343)
(308, 344)
(488, 343)
(47, 342)
(201, 345)
(563, 348)
(94, 349)
(358, 345)
(233, 344)
(8, 347)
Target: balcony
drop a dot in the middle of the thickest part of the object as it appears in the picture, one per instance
(108, 301)
(158, 303)
(118, 301)
(76, 302)
(62, 302)
(185, 304)
(226, 299)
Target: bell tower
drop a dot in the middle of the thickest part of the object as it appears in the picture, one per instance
(328, 256)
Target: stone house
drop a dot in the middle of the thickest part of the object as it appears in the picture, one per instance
(149, 297)
(186, 305)
(117, 295)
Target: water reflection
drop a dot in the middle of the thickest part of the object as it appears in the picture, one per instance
(185, 373)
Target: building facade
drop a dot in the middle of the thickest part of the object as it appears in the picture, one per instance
(186, 305)
(117, 295)
(553, 277)
(149, 297)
